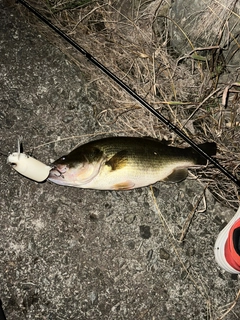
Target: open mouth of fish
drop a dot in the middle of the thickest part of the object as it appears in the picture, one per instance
(56, 173)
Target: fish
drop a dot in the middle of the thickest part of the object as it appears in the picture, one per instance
(124, 163)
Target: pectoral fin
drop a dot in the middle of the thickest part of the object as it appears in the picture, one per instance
(177, 175)
(118, 161)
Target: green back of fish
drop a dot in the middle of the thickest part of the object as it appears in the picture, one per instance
(141, 152)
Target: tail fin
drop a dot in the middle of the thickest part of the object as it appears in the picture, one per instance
(210, 148)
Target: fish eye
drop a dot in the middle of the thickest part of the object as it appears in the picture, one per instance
(63, 158)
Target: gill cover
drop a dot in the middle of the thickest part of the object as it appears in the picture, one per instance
(80, 175)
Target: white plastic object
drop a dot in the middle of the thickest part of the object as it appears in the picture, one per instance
(28, 166)
(227, 246)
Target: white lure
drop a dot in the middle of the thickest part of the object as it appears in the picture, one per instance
(28, 166)
(227, 246)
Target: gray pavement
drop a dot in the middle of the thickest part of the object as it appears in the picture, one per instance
(68, 253)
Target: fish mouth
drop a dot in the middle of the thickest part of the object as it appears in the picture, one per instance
(57, 172)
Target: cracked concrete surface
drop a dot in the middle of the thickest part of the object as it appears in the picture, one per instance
(68, 253)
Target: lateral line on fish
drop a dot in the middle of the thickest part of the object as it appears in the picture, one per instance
(124, 86)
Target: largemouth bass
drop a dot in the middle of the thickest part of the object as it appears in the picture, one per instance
(123, 163)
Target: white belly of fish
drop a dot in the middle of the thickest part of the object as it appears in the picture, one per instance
(128, 178)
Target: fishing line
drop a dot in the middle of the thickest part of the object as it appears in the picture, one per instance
(124, 86)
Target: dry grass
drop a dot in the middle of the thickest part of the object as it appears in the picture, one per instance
(193, 91)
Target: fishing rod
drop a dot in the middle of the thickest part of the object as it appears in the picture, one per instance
(133, 94)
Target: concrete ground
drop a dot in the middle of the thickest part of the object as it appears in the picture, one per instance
(69, 253)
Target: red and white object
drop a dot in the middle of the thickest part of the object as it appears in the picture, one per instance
(227, 246)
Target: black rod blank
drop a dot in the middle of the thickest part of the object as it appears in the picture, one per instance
(124, 86)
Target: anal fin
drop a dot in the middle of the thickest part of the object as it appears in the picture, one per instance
(126, 185)
(177, 175)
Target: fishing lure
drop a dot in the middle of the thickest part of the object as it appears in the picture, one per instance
(227, 246)
(28, 166)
